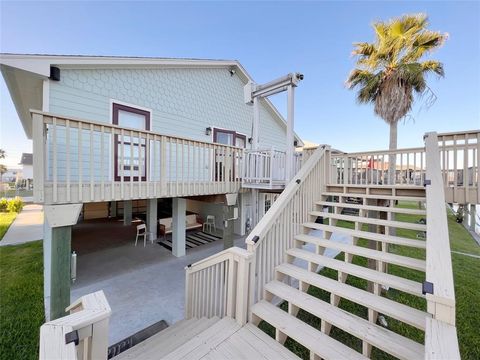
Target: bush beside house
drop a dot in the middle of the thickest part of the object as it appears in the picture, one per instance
(11, 205)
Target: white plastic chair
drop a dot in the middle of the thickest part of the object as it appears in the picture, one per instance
(209, 223)
(142, 231)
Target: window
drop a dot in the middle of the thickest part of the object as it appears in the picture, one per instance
(229, 137)
(131, 149)
(232, 138)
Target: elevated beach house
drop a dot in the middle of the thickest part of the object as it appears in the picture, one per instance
(112, 135)
(127, 133)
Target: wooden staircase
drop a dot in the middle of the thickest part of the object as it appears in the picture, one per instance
(383, 289)
(349, 279)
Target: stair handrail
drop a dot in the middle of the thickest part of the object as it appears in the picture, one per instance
(274, 234)
(440, 335)
(83, 334)
(219, 285)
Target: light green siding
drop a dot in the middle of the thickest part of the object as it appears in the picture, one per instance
(183, 103)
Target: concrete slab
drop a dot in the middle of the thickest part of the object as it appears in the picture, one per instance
(27, 226)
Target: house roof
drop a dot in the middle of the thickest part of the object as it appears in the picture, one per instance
(24, 75)
(27, 159)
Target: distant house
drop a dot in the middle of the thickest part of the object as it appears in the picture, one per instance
(25, 177)
(10, 175)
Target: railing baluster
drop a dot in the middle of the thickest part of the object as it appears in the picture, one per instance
(122, 163)
(67, 157)
(131, 165)
(55, 160)
(80, 164)
(102, 152)
(92, 183)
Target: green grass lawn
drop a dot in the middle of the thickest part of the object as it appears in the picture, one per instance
(21, 300)
(467, 287)
(6, 220)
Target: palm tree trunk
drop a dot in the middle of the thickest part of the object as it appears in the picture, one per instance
(392, 158)
(392, 168)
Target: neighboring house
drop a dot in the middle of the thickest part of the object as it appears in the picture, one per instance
(25, 178)
(10, 175)
(151, 128)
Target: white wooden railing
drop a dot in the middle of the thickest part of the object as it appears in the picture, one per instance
(274, 234)
(227, 283)
(81, 335)
(460, 163)
(264, 169)
(372, 167)
(219, 285)
(440, 335)
(78, 160)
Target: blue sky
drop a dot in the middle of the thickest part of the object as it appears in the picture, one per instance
(269, 39)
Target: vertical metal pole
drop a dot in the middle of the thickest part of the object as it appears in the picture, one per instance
(256, 123)
(290, 137)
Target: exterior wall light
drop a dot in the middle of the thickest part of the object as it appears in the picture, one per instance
(208, 131)
(250, 140)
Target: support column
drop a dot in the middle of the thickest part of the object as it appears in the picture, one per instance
(113, 209)
(127, 212)
(254, 205)
(59, 220)
(228, 226)
(152, 219)
(472, 212)
(60, 271)
(290, 137)
(179, 208)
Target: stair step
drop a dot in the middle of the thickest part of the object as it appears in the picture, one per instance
(313, 339)
(380, 304)
(386, 340)
(373, 208)
(267, 343)
(398, 240)
(376, 196)
(200, 345)
(365, 252)
(373, 221)
(396, 282)
(167, 340)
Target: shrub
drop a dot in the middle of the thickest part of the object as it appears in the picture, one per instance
(3, 205)
(15, 205)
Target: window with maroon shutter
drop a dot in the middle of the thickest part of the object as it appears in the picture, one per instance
(130, 150)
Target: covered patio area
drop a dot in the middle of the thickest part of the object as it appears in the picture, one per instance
(143, 285)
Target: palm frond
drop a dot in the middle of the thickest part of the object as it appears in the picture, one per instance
(433, 66)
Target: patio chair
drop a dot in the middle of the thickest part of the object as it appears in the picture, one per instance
(209, 223)
(142, 231)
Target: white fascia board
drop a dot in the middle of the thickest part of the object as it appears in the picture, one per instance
(36, 66)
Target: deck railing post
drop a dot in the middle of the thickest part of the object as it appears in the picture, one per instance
(39, 142)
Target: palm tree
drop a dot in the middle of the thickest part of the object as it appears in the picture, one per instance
(389, 71)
